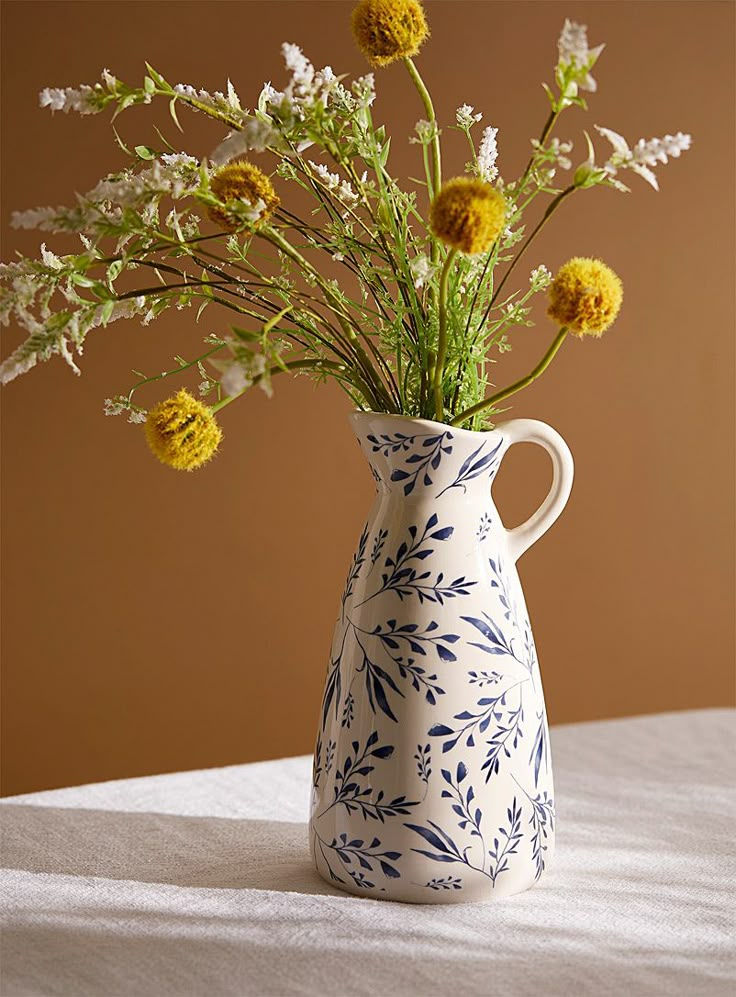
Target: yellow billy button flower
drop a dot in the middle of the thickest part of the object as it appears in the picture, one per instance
(585, 296)
(468, 214)
(182, 432)
(387, 30)
(242, 181)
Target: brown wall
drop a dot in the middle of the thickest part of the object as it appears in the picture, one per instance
(155, 621)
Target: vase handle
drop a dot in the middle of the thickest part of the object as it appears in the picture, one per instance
(522, 537)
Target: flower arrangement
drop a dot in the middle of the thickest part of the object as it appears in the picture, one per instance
(421, 316)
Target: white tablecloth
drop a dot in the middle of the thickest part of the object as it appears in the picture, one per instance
(200, 883)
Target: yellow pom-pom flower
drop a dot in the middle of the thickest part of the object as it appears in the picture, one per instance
(387, 30)
(468, 214)
(182, 432)
(585, 296)
(242, 181)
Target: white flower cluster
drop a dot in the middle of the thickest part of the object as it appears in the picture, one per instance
(241, 373)
(422, 270)
(47, 336)
(83, 99)
(306, 87)
(645, 155)
(228, 103)
(281, 114)
(68, 99)
(574, 53)
(560, 151)
(426, 132)
(120, 405)
(466, 116)
(487, 155)
(173, 175)
(540, 278)
(255, 136)
(342, 189)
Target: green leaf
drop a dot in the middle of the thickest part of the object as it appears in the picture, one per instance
(107, 310)
(246, 335)
(157, 77)
(58, 321)
(82, 280)
(172, 112)
(275, 320)
(163, 138)
(145, 152)
(383, 158)
(114, 271)
(120, 142)
(125, 102)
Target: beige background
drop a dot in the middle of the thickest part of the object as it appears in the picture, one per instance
(155, 621)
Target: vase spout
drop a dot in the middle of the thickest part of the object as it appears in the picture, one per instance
(420, 459)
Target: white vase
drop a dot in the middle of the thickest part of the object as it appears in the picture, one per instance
(432, 773)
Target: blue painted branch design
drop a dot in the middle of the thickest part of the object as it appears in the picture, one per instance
(470, 818)
(423, 759)
(348, 711)
(420, 462)
(485, 678)
(496, 641)
(540, 748)
(405, 579)
(355, 856)
(514, 614)
(351, 792)
(440, 846)
(333, 685)
(506, 844)
(358, 562)
(448, 883)
(377, 680)
(320, 766)
(317, 767)
(542, 822)
(473, 467)
(378, 542)
(492, 709)
(484, 527)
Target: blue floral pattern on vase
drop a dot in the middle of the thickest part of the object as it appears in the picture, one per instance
(432, 776)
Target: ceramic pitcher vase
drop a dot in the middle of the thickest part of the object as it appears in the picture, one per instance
(432, 774)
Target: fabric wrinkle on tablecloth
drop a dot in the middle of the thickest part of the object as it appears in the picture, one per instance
(200, 883)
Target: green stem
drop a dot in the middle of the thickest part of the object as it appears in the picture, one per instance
(548, 126)
(551, 207)
(439, 402)
(176, 370)
(436, 151)
(432, 118)
(380, 396)
(517, 385)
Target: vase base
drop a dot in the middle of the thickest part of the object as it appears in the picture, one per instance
(445, 890)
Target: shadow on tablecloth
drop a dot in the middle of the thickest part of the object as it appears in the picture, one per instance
(214, 852)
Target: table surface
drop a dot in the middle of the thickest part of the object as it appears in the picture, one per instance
(200, 883)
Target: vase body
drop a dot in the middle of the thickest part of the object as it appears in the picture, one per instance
(432, 772)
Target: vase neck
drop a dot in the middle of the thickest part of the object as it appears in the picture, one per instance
(415, 458)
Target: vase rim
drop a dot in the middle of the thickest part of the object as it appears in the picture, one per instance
(358, 417)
